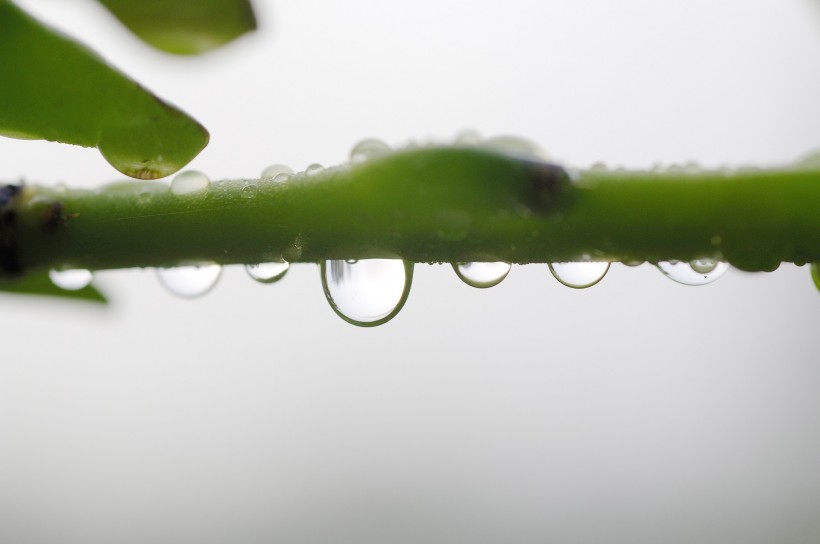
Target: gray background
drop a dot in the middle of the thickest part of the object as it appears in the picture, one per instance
(639, 410)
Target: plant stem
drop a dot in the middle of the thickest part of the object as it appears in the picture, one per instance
(442, 204)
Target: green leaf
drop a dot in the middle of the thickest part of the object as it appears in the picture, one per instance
(40, 284)
(185, 27)
(58, 90)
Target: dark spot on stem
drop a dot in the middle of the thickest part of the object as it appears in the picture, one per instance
(9, 250)
(549, 183)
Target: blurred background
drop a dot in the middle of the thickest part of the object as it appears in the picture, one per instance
(639, 410)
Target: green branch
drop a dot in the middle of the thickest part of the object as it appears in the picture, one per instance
(442, 204)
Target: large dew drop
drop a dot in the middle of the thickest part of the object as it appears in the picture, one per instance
(189, 281)
(697, 272)
(268, 272)
(189, 182)
(370, 148)
(579, 275)
(71, 280)
(367, 292)
(482, 275)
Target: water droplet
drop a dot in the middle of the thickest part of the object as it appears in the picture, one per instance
(71, 280)
(189, 281)
(274, 170)
(599, 167)
(513, 145)
(815, 274)
(367, 292)
(268, 272)
(189, 182)
(697, 272)
(468, 138)
(248, 191)
(632, 263)
(579, 275)
(282, 178)
(313, 169)
(482, 275)
(370, 148)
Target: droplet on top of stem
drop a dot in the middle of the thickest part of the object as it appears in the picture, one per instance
(367, 292)
(579, 275)
(369, 148)
(275, 170)
(482, 275)
(189, 182)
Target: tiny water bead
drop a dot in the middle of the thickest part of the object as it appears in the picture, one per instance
(268, 272)
(482, 275)
(370, 148)
(313, 169)
(468, 138)
(275, 170)
(697, 272)
(579, 275)
(71, 280)
(189, 182)
(367, 292)
(248, 190)
(189, 281)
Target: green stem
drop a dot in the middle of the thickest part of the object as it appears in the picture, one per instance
(431, 205)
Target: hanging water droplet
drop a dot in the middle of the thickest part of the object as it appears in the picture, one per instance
(268, 272)
(815, 274)
(482, 275)
(513, 145)
(189, 281)
(189, 182)
(697, 272)
(71, 280)
(631, 263)
(367, 292)
(313, 169)
(370, 148)
(274, 170)
(579, 275)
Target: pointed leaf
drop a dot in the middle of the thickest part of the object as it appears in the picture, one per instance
(58, 90)
(40, 284)
(182, 26)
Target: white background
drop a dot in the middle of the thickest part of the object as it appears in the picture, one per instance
(639, 410)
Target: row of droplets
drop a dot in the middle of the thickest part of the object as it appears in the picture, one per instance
(372, 291)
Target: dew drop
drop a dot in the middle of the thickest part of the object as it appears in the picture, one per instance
(189, 182)
(579, 275)
(248, 191)
(189, 281)
(370, 148)
(282, 178)
(697, 272)
(513, 145)
(71, 280)
(268, 272)
(482, 275)
(275, 170)
(313, 169)
(468, 138)
(367, 292)
(632, 263)
(815, 274)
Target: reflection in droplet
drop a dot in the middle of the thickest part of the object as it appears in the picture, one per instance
(482, 275)
(189, 281)
(815, 274)
(579, 275)
(697, 272)
(268, 272)
(189, 182)
(367, 292)
(368, 149)
(71, 280)
(274, 170)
